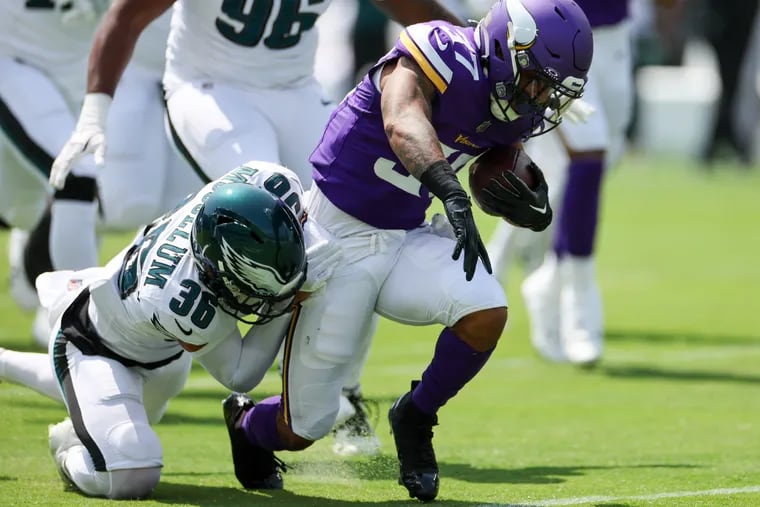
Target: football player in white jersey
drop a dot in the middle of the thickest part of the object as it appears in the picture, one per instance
(124, 334)
(239, 79)
(146, 176)
(43, 53)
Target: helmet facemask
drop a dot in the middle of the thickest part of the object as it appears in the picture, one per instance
(536, 56)
(238, 299)
(535, 93)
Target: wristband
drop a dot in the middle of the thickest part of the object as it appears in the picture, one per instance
(441, 180)
(95, 110)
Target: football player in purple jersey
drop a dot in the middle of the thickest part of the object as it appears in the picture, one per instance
(442, 95)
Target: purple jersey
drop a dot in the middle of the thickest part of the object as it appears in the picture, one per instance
(354, 165)
(604, 12)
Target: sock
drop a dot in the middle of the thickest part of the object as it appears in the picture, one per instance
(454, 364)
(576, 228)
(30, 369)
(73, 243)
(260, 424)
(37, 249)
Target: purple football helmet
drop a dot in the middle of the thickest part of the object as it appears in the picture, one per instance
(537, 54)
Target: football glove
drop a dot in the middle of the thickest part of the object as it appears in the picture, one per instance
(88, 137)
(517, 203)
(442, 182)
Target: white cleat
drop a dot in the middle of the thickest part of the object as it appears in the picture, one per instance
(353, 433)
(541, 292)
(61, 438)
(582, 333)
(22, 291)
(2, 364)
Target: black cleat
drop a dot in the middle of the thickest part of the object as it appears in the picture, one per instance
(255, 467)
(413, 434)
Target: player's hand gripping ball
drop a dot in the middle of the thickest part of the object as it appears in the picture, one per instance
(504, 182)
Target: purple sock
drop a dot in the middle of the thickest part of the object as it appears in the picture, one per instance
(454, 364)
(260, 424)
(576, 228)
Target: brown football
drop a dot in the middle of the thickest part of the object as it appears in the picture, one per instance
(492, 164)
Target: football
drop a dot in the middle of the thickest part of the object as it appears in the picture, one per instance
(492, 164)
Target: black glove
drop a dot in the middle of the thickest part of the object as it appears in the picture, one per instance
(441, 180)
(517, 203)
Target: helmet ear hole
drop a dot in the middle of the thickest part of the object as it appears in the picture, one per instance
(498, 51)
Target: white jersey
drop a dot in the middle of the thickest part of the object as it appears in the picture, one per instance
(253, 44)
(150, 50)
(39, 33)
(152, 296)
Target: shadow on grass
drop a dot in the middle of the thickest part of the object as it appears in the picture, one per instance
(650, 372)
(675, 337)
(530, 475)
(207, 496)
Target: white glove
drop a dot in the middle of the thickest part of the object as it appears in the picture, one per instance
(88, 137)
(322, 255)
(578, 111)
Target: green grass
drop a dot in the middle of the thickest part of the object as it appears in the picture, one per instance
(672, 409)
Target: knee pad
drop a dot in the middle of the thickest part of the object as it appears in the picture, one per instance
(136, 483)
(134, 445)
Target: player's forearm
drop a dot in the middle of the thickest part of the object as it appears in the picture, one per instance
(407, 112)
(224, 362)
(115, 41)
(410, 12)
(415, 143)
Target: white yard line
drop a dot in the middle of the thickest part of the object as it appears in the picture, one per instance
(655, 496)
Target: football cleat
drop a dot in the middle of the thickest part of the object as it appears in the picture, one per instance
(541, 293)
(581, 311)
(61, 438)
(255, 467)
(355, 435)
(413, 435)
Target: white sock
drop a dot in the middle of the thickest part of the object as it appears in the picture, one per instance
(30, 369)
(73, 243)
(81, 470)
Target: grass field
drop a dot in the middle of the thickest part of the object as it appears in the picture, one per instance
(671, 416)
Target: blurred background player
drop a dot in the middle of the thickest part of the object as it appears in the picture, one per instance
(560, 289)
(145, 178)
(728, 27)
(43, 55)
(239, 83)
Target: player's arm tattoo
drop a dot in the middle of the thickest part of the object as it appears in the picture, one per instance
(406, 103)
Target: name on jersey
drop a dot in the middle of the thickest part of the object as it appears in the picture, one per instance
(169, 254)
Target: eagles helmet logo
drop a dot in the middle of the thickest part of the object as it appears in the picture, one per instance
(260, 277)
